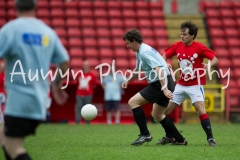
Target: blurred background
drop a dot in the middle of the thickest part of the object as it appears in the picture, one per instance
(93, 30)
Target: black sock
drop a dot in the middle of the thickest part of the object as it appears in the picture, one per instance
(6, 155)
(168, 134)
(206, 125)
(23, 156)
(140, 119)
(168, 125)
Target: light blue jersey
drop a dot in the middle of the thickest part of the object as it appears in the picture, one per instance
(113, 88)
(150, 59)
(29, 46)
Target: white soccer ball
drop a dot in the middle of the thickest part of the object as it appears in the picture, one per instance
(89, 112)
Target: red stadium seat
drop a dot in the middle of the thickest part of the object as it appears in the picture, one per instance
(224, 63)
(71, 13)
(156, 13)
(219, 42)
(118, 43)
(214, 22)
(11, 14)
(113, 4)
(233, 42)
(2, 22)
(56, 4)
(222, 52)
(235, 62)
(238, 22)
(120, 52)
(114, 13)
(75, 52)
(231, 32)
(100, 13)
(91, 52)
(234, 52)
(106, 60)
(84, 4)
(42, 5)
(128, 13)
(141, 5)
(163, 43)
(121, 62)
(46, 21)
(115, 23)
(117, 32)
(144, 23)
(3, 13)
(104, 42)
(142, 13)
(227, 13)
(229, 22)
(225, 4)
(236, 73)
(74, 42)
(103, 32)
(236, 12)
(127, 5)
(216, 32)
(89, 42)
(76, 62)
(70, 5)
(60, 32)
(58, 22)
(88, 32)
(236, 4)
(99, 4)
(42, 13)
(73, 32)
(160, 33)
(130, 23)
(64, 42)
(158, 23)
(210, 5)
(101, 22)
(10, 4)
(93, 62)
(105, 52)
(72, 22)
(2, 4)
(132, 63)
(156, 5)
(57, 13)
(147, 32)
(87, 22)
(150, 41)
(85, 13)
(212, 13)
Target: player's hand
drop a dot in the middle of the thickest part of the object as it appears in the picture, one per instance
(59, 95)
(125, 84)
(169, 66)
(168, 93)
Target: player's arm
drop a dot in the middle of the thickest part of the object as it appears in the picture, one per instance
(214, 61)
(163, 80)
(129, 79)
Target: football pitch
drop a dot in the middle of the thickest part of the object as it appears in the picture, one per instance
(112, 142)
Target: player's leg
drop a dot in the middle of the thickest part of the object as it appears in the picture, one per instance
(116, 111)
(197, 96)
(135, 104)
(108, 109)
(78, 107)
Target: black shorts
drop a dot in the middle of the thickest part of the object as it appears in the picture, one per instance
(153, 93)
(19, 127)
(111, 105)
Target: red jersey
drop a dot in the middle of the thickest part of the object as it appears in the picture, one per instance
(190, 59)
(2, 78)
(86, 84)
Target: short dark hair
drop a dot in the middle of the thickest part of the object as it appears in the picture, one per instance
(193, 29)
(132, 35)
(25, 5)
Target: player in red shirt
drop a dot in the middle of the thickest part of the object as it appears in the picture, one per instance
(190, 56)
(86, 83)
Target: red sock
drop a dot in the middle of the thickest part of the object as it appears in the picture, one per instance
(203, 117)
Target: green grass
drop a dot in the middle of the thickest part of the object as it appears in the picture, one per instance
(103, 142)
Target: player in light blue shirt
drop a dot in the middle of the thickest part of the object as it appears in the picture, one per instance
(28, 47)
(112, 95)
(158, 92)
